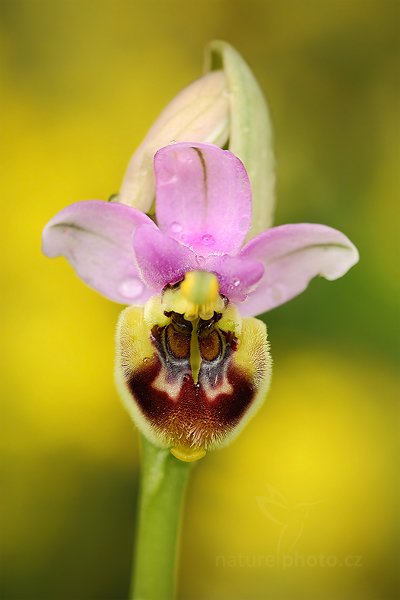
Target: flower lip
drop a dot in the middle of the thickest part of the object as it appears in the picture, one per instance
(165, 401)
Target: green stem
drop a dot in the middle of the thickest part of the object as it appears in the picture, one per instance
(162, 488)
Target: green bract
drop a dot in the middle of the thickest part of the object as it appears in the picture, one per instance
(250, 130)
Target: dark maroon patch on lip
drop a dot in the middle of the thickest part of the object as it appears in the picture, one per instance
(190, 419)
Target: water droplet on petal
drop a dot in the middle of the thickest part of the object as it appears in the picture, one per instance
(146, 360)
(207, 239)
(244, 224)
(131, 288)
(175, 227)
(184, 158)
(200, 260)
(235, 282)
(169, 181)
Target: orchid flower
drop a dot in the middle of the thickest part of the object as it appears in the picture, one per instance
(193, 364)
(187, 244)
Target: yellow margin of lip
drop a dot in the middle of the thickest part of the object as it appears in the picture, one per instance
(188, 454)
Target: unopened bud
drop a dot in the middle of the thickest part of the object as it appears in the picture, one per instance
(199, 113)
(250, 130)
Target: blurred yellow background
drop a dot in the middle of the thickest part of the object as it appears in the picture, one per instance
(303, 505)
